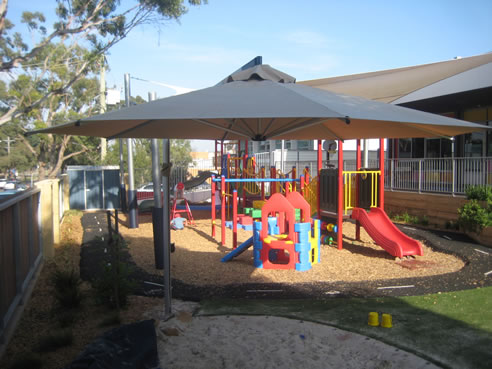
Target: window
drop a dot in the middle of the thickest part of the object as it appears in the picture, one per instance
(304, 145)
(418, 147)
(433, 148)
(474, 143)
(264, 146)
(405, 148)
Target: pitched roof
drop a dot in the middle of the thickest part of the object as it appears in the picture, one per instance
(393, 84)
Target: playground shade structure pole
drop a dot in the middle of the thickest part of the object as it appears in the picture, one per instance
(340, 196)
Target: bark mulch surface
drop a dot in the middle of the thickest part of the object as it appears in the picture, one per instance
(451, 262)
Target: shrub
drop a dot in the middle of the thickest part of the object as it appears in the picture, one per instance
(54, 340)
(473, 217)
(479, 193)
(67, 287)
(115, 284)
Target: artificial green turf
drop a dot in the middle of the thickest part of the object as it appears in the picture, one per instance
(451, 329)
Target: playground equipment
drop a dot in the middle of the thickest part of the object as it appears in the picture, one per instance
(226, 200)
(344, 194)
(333, 195)
(279, 241)
(178, 197)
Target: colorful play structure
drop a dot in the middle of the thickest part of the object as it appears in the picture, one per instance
(291, 217)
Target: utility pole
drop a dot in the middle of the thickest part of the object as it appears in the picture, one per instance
(8, 140)
(132, 195)
(102, 102)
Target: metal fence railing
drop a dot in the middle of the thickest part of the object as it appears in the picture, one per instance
(439, 175)
(442, 175)
(178, 174)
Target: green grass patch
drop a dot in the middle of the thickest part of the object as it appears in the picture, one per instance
(450, 329)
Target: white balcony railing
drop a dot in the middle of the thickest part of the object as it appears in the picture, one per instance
(439, 175)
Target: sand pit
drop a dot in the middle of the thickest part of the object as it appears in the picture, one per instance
(197, 258)
(188, 341)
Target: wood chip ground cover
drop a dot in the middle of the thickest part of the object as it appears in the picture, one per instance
(197, 258)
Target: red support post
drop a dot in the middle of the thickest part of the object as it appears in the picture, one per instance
(223, 208)
(294, 177)
(221, 154)
(213, 206)
(234, 219)
(273, 185)
(340, 196)
(263, 184)
(381, 178)
(306, 174)
(358, 165)
(245, 175)
(320, 165)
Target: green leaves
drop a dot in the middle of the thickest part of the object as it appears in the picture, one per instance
(476, 214)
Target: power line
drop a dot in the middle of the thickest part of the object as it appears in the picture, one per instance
(179, 89)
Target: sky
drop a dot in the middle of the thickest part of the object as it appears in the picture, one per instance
(308, 39)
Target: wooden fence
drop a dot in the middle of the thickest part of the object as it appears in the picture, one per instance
(29, 233)
(21, 251)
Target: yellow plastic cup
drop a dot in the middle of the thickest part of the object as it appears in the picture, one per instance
(386, 321)
(373, 319)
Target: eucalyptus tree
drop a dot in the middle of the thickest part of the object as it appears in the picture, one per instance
(97, 25)
(76, 101)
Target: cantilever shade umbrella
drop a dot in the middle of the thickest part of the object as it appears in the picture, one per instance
(262, 103)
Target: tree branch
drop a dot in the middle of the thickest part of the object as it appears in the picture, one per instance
(3, 14)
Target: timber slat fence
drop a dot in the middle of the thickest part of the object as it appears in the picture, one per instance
(20, 250)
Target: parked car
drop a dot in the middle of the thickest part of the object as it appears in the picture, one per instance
(10, 185)
(15, 185)
(149, 187)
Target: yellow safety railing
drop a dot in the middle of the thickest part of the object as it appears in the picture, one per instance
(349, 180)
(249, 172)
(311, 194)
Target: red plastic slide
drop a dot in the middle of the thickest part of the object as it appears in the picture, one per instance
(385, 234)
